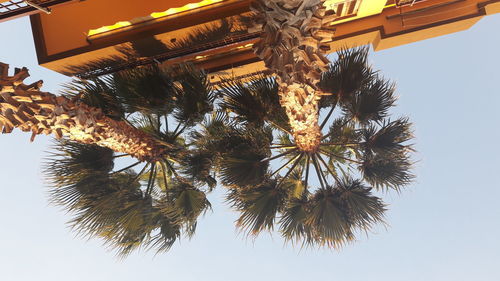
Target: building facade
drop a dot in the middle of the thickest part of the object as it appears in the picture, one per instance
(94, 37)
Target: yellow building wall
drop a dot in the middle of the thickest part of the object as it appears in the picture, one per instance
(394, 27)
(366, 8)
(493, 8)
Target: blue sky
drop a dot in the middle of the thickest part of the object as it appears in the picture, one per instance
(443, 227)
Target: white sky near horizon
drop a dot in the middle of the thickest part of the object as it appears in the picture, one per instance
(444, 227)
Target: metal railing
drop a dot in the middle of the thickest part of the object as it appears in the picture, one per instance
(18, 8)
(400, 3)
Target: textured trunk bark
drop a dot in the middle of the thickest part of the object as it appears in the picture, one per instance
(301, 106)
(30, 110)
(293, 45)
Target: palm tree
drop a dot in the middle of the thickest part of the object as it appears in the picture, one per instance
(152, 206)
(191, 134)
(293, 45)
(27, 108)
(271, 177)
(312, 198)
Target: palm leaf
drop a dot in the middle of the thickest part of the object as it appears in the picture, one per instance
(347, 75)
(98, 92)
(363, 208)
(328, 219)
(195, 96)
(148, 89)
(254, 101)
(372, 102)
(387, 171)
(293, 226)
(197, 167)
(390, 137)
(243, 167)
(259, 206)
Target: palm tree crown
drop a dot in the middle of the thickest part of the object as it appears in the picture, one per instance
(237, 135)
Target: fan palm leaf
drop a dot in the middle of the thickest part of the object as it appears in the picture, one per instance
(195, 96)
(258, 205)
(345, 76)
(363, 209)
(371, 102)
(387, 171)
(328, 219)
(147, 89)
(390, 137)
(293, 226)
(197, 167)
(97, 92)
(254, 101)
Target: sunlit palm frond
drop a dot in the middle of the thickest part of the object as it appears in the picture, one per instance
(207, 33)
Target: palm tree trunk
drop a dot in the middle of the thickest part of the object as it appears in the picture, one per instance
(293, 45)
(25, 107)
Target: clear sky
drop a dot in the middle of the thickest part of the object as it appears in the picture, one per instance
(445, 226)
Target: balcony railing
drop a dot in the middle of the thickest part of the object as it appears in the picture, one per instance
(18, 8)
(400, 3)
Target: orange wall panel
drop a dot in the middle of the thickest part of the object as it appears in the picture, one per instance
(66, 28)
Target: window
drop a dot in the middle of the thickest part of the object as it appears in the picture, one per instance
(344, 8)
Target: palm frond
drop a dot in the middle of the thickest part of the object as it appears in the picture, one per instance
(391, 171)
(147, 89)
(197, 167)
(328, 219)
(254, 101)
(243, 151)
(195, 96)
(342, 131)
(73, 168)
(184, 204)
(363, 209)
(98, 92)
(243, 167)
(293, 226)
(207, 33)
(347, 75)
(372, 102)
(259, 206)
(168, 232)
(390, 137)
